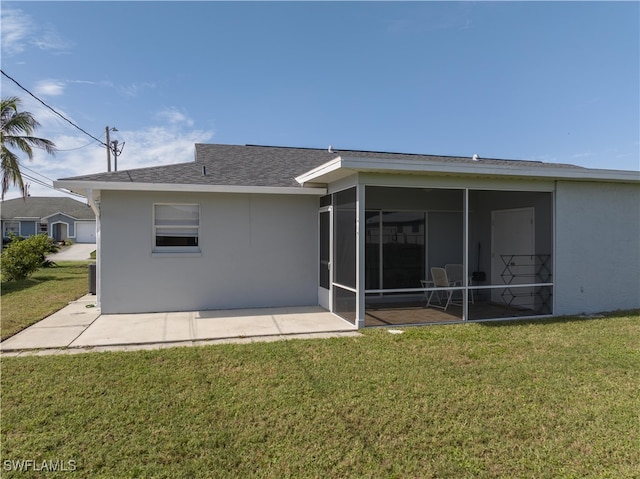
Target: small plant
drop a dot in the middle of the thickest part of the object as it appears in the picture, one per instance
(21, 258)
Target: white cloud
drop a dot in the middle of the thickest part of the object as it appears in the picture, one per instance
(16, 29)
(170, 140)
(152, 146)
(159, 145)
(49, 87)
(174, 117)
(50, 39)
(20, 32)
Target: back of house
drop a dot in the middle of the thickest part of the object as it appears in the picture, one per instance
(358, 232)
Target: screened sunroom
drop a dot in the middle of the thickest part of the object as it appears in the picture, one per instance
(474, 254)
(441, 251)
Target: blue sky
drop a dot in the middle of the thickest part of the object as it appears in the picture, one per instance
(557, 82)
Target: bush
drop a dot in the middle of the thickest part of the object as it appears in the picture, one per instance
(10, 237)
(22, 258)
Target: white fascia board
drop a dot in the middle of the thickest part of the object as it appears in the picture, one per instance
(548, 172)
(322, 170)
(59, 213)
(592, 174)
(84, 186)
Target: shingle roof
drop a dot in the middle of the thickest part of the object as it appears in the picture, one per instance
(41, 206)
(253, 165)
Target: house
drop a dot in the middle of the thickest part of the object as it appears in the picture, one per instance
(359, 232)
(61, 218)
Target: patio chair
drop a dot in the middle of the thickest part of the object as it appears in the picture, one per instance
(454, 273)
(441, 280)
(426, 284)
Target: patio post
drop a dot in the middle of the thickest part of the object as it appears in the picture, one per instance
(360, 256)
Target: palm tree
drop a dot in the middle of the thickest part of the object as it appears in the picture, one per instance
(16, 130)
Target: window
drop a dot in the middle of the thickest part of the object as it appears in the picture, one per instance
(43, 228)
(176, 227)
(11, 227)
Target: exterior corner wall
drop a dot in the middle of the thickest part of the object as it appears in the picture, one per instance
(256, 251)
(597, 254)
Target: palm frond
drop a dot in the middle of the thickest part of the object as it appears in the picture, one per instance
(26, 143)
(16, 131)
(10, 168)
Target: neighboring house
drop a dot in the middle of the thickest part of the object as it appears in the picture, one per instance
(58, 217)
(358, 232)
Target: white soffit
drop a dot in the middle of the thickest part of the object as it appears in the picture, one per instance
(344, 166)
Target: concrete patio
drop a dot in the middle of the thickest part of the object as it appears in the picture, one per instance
(80, 327)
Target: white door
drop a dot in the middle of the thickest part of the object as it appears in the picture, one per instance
(86, 232)
(512, 256)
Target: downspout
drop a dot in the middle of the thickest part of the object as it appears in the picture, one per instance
(94, 203)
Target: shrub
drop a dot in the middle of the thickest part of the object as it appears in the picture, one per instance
(10, 238)
(21, 259)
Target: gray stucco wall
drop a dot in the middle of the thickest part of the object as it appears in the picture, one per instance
(597, 247)
(256, 251)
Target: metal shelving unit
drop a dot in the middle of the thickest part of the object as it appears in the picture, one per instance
(533, 269)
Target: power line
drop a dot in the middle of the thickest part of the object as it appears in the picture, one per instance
(39, 182)
(42, 183)
(78, 148)
(34, 171)
(54, 111)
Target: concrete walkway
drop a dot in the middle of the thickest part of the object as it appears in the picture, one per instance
(75, 252)
(80, 327)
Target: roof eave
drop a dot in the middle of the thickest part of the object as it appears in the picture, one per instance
(344, 166)
(82, 186)
(328, 172)
(59, 213)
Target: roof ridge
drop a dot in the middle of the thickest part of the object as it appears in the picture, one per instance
(338, 150)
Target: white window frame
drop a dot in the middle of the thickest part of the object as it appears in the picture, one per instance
(175, 249)
(11, 226)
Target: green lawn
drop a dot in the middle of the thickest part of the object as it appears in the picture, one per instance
(28, 301)
(546, 399)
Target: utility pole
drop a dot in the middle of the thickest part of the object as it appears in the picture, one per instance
(116, 153)
(107, 130)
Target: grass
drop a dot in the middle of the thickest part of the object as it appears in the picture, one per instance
(546, 399)
(28, 301)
